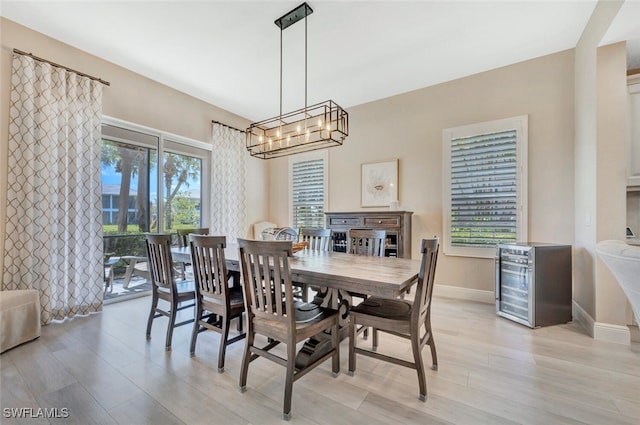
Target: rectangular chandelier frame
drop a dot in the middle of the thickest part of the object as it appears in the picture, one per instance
(319, 126)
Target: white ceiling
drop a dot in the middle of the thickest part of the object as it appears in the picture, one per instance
(227, 52)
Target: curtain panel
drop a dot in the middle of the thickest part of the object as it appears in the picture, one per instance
(54, 214)
(228, 183)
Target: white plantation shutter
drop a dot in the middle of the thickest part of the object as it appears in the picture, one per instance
(485, 188)
(308, 191)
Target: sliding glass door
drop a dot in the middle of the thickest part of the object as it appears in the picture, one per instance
(139, 196)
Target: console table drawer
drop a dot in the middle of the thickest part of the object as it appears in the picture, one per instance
(382, 222)
(344, 221)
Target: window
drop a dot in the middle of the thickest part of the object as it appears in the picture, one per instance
(308, 189)
(485, 191)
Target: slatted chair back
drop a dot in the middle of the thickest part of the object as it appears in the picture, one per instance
(209, 266)
(317, 238)
(160, 262)
(183, 234)
(267, 280)
(426, 275)
(286, 234)
(368, 242)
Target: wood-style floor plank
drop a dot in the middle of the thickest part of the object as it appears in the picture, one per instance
(491, 371)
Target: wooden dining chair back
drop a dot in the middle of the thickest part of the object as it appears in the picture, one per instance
(183, 234)
(286, 234)
(183, 240)
(164, 286)
(216, 303)
(403, 318)
(318, 239)
(273, 313)
(366, 242)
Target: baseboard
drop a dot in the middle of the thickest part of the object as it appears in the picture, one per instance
(458, 292)
(635, 333)
(583, 318)
(612, 333)
(607, 332)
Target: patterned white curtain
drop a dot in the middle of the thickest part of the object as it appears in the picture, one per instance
(228, 183)
(54, 217)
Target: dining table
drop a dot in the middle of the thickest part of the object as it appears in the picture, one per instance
(337, 275)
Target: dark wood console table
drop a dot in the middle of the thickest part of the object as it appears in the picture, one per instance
(396, 223)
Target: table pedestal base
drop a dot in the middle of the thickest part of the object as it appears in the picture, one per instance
(320, 344)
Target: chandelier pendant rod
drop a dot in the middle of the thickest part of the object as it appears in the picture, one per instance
(281, 73)
(305, 62)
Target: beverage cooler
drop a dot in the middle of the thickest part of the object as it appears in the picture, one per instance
(533, 283)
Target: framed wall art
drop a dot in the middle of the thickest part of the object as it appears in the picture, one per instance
(379, 182)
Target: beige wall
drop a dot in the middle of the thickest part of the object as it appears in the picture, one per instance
(409, 127)
(130, 97)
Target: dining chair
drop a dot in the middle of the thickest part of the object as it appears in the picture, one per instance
(318, 239)
(183, 240)
(183, 234)
(366, 242)
(164, 285)
(286, 234)
(273, 313)
(402, 318)
(216, 303)
(369, 242)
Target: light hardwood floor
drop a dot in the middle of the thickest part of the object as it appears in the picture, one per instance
(491, 371)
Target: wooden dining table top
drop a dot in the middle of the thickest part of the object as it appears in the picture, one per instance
(382, 276)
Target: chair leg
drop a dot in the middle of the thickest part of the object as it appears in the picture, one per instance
(374, 342)
(352, 346)
(196, 328)
(288, 386)
(240, 322)
(224, 335)
(417, 358)
(434, 356)
(172, 323)
(246, 358)
(152, 313)
(335, 340)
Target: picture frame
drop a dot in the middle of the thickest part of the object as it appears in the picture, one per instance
(379, 183)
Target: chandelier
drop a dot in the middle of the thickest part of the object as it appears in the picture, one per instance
(318, 126)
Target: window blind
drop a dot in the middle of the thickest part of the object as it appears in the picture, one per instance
(308, 190)
(483, 189)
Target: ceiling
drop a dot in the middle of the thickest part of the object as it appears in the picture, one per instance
(227, 53)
